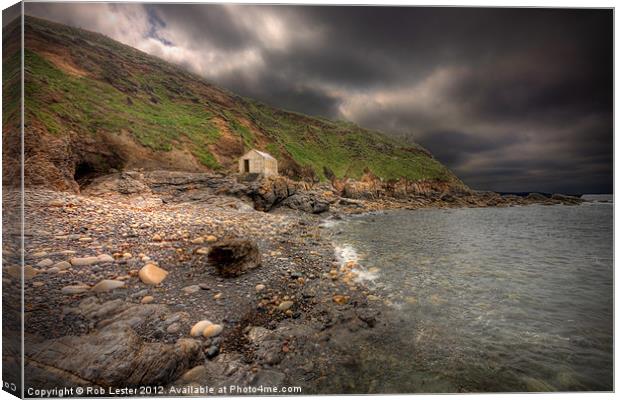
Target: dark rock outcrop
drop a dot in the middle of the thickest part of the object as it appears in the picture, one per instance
(308, 202)
(537, 197)
(565, 199)
(234, 257)
(265, 193)
(269, 192)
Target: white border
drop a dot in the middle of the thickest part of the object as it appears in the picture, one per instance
(462, 3)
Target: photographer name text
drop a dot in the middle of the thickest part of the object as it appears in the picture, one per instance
(83, 391)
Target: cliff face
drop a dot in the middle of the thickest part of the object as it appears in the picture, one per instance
(95, 106)
(371, 187)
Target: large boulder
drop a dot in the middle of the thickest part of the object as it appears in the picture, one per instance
(308, 202)
(268, 192)
(234, 257)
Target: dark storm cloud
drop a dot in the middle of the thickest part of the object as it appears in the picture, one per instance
(214, 25)
(510, 99)
(288, 96)
(453, 147)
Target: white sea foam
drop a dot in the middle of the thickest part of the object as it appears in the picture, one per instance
(364, 275)
(346, 253)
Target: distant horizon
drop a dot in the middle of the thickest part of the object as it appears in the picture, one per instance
(524, 192)
(521, 102)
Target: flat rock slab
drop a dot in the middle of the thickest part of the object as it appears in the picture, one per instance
(114, 357)
(197, 374)
(114, 354)
(85, 261)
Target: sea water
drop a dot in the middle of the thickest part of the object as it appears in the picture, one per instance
(486, 299)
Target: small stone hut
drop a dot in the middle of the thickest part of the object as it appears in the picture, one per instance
(258, 162)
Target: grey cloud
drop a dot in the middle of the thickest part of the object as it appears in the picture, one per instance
(213, 24)
(510, 99)
(453, 147)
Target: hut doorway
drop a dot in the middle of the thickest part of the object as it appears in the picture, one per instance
(258, 162)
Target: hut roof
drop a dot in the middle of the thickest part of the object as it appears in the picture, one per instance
(261, 153)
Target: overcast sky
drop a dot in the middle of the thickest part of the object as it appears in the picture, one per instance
(509, 99)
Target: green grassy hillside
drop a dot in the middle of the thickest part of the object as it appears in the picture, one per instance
(85, 85)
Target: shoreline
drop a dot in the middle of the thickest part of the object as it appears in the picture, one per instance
(294, 329)
(474, 269)
(260, 341)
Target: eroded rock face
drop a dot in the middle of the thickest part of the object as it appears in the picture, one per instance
(370, 187)
(234, 257)
(360, 190)
(266, 193)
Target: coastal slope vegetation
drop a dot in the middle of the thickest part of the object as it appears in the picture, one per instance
(94, 105)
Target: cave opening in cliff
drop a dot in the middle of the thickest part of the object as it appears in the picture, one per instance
(85, 172)
(89, 167)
